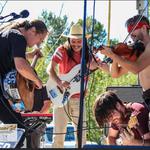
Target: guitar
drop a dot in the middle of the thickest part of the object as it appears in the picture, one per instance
(58, 97)
(17, 87)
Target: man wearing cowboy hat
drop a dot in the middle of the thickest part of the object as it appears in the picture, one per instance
(66, 57)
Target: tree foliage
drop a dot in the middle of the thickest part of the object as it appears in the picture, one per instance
(57, 27)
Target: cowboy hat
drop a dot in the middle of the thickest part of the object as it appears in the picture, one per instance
(76, 32)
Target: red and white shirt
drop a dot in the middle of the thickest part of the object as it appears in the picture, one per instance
(65, 63)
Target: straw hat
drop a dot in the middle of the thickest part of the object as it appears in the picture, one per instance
(76, 32)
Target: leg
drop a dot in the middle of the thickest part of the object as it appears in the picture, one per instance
(75, 103)
(36, 136)
(60, 124)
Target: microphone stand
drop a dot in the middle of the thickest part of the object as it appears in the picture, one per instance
(82, 90)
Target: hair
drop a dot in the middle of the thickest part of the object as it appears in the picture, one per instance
(133, 20)
(38, 24)
(70, 51)
(104, 106)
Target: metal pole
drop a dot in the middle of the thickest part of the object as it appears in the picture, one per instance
(83, 69)
(140, 6)
(109, 22)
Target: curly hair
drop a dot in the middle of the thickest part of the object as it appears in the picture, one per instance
(105, 104)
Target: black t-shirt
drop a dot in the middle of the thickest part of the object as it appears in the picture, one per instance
(12, 44)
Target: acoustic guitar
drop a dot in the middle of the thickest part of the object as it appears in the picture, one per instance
(19, 88)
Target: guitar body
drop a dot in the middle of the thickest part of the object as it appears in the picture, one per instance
(60, 98)
(26, 90)
(19, 88)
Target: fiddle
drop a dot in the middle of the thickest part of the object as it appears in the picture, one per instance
(130, 52)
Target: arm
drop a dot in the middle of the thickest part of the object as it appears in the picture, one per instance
(112, 136)
(113, 69)
(128, 138)
(134, 67)
(116, 71)
(52, 73)
(46, 106)
(24, 68)
(99, 64)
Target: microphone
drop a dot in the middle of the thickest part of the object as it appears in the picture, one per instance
(23, 14)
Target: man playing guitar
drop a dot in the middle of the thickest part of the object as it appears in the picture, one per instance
(66, 57)
(14, 42)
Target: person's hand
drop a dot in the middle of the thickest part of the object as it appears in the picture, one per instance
(127, 137)
(37, 52)
(107, 51)
(38, 84)
(93, 64)
(63, 85)
(35, 112)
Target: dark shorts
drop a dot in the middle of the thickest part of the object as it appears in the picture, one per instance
(40, 95)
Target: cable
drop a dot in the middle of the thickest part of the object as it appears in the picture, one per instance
(90, 52)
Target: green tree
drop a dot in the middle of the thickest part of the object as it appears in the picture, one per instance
(57, 26)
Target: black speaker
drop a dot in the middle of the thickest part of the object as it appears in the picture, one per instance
(128, 93)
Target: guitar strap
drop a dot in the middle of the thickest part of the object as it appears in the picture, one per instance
(5, 94)
(8, 86)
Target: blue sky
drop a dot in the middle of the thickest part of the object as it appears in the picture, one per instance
(120, 12)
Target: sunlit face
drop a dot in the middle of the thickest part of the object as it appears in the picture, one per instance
(34, 38)
(117, 117)
(136, 35)
(76, 44)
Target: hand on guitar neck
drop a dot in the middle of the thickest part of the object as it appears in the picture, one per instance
(35, 52)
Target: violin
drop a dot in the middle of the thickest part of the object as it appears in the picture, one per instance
(130, 52)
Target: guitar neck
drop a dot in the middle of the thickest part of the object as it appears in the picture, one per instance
(34, 61)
